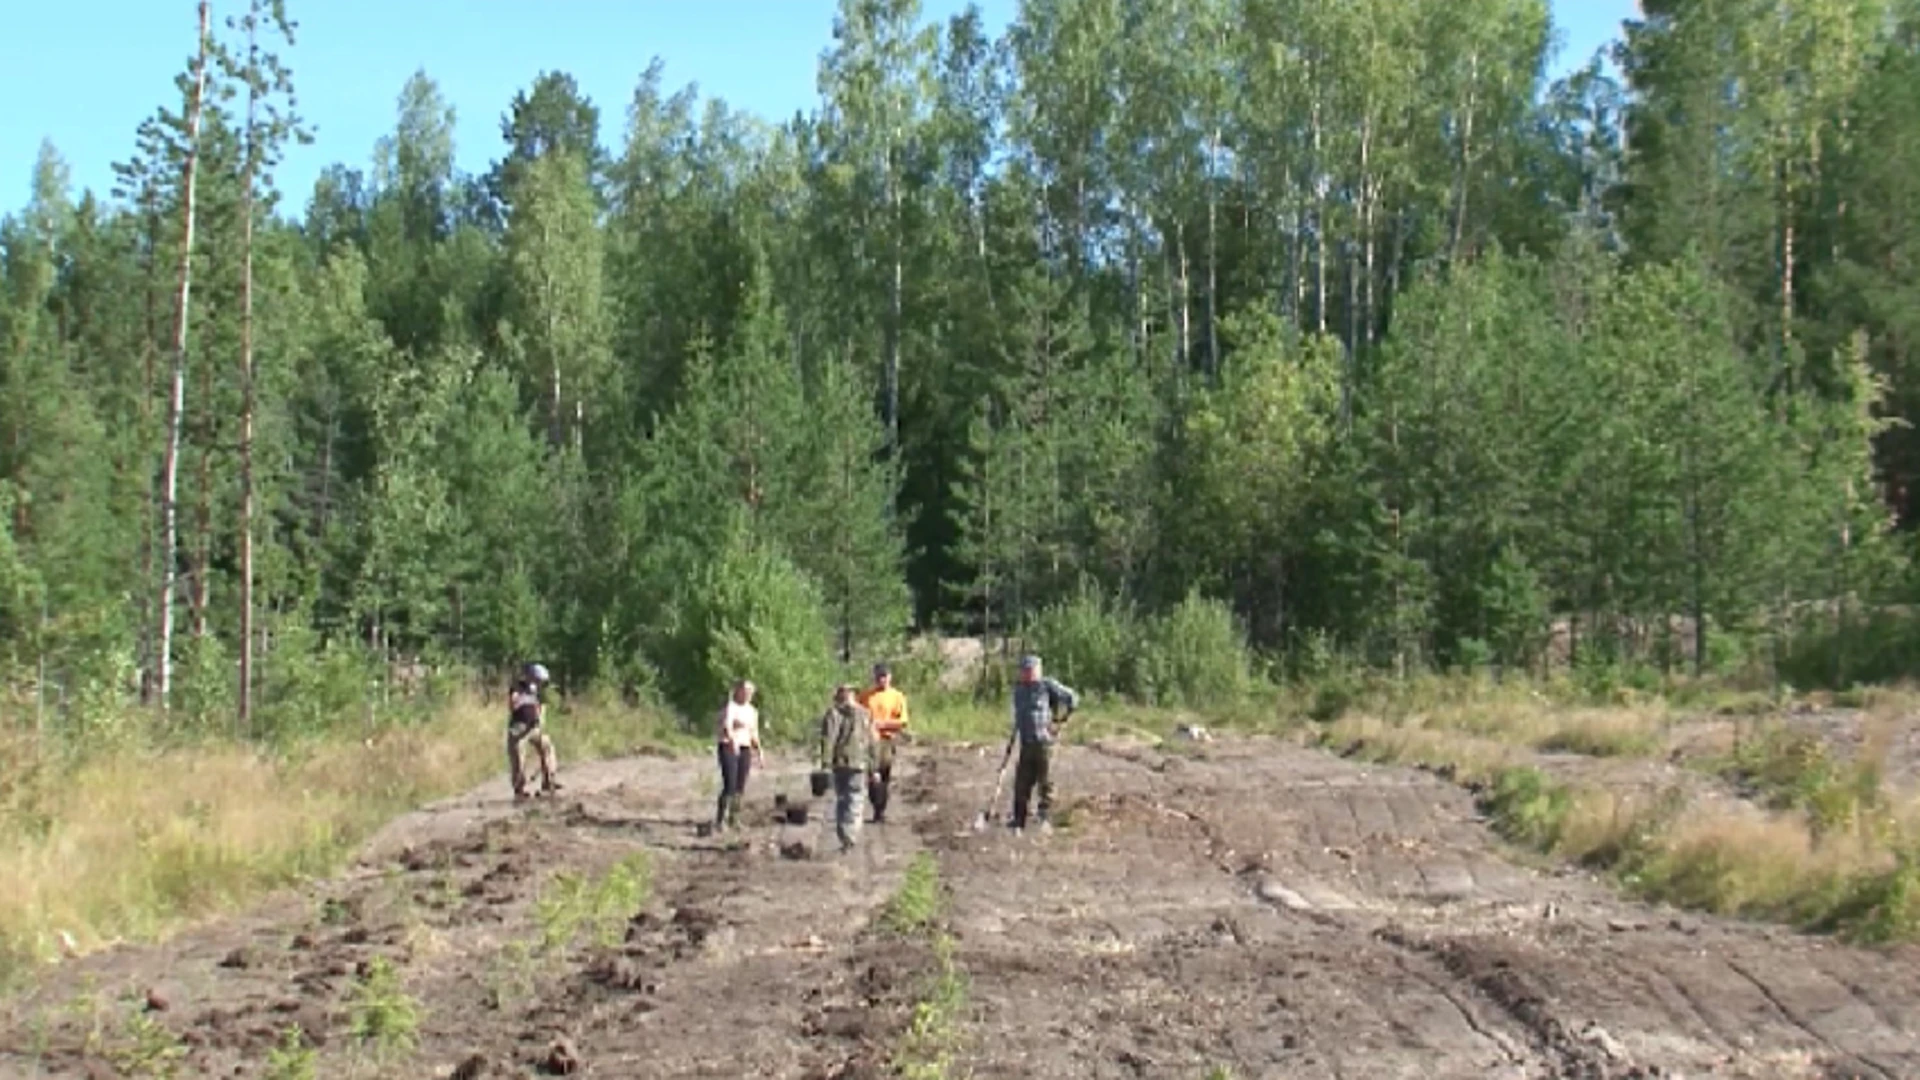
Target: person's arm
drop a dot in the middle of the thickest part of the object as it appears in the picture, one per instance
(1063, 697)
(826, 727)
(868, 742)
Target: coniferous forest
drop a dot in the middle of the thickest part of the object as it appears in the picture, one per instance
(1139, 327)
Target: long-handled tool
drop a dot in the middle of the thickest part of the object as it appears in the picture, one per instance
(980, 819)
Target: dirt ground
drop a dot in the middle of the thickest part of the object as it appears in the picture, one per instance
(1240, 904)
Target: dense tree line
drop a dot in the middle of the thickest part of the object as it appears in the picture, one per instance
(1334, 316)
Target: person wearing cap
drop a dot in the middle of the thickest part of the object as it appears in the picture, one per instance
(526, 714)
(1040, 706)
(846, 750)
(888, 707)
(739, 739)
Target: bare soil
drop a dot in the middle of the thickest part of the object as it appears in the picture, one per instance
(1244, 903)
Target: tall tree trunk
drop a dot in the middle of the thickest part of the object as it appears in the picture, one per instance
(176, 399)
(245, 701)
(1186, 298)
(895, 303)
(1319, 227)
(1466, 156)
(149, 513)
(1213, 256)
(201, 560)
(1369, 197)
(1349, 359)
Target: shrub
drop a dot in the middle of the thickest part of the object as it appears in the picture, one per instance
(1089, 642)
(749, 613)
(1194, 655)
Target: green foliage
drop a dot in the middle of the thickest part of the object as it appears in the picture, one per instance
(150, 1049)
(1794, 769)
(203, 687)
(380, 1010)
(1194, 655)
(918, 903)
(1004, 330)
(602, 906)
(293, 1058)
(748, 612)
(1090, 642)
(1527, 806)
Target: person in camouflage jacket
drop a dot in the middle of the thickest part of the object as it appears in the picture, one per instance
(846, 750)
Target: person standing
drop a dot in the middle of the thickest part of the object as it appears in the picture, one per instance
(739, 750)
(1040, 706)
(888, 707)
(526, 716)
(846, 750)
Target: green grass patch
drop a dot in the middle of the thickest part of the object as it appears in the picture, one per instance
(571, 903)
(917, 905)
(1527, 807)
(932, 1041)
(381, 1013)
(1793, 769)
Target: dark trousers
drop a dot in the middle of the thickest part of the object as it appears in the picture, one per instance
(1033, 773)
(877, 787)
(734, 767)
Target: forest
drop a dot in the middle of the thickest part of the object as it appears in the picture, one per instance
(1195, 342)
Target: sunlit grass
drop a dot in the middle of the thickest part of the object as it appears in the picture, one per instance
(130, 844)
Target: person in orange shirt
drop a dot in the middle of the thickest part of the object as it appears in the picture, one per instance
(888, 707)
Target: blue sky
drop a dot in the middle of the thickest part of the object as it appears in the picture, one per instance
(86, 74)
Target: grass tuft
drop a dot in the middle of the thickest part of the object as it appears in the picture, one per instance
(293, 1059)
(602, 906)
(383, 1014)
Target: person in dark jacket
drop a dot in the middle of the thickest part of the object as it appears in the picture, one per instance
(526, 715)
(1040, 706)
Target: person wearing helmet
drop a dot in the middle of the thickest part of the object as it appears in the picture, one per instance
(525, 715)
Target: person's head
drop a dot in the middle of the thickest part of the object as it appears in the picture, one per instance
(882, 676)
(743, 691)
(536, 674)
(1029, 668)
(843, 694)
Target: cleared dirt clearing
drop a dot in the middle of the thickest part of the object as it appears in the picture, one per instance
(1242, 903)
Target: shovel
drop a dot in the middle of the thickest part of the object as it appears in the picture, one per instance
(980, 819)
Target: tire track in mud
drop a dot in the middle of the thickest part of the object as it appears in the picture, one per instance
(1435, 969)
(1233, 904)
(1512, 980)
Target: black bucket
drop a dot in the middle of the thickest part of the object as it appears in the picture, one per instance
(821, 780)
(796, 814)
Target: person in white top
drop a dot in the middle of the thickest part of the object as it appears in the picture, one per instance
(739, 739)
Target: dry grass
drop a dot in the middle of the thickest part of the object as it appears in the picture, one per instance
(1476, 742)
(1810, 835)
(131, 844)
(1732, 860)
